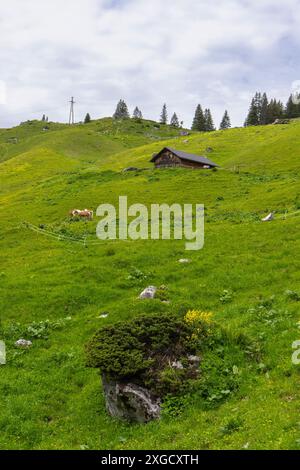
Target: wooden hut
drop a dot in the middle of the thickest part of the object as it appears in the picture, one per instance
(169, 157)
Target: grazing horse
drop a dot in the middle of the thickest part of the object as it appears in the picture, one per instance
(86, 213)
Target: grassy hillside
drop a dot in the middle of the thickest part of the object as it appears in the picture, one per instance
(59, 287)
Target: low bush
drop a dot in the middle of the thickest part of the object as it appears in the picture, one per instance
(154, 351)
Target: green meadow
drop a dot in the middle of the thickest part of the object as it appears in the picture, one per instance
(57, 279)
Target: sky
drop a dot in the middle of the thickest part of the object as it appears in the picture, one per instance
(147, 52)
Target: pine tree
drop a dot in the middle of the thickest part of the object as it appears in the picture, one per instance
(209, 124)
(198, 121)
(292, 109)
(164, 115)
(44, 117)
(121, 111)
(174, 121)
(264, 117)
(254, 113)
(225, 123)
(87, 118)
(275, 110)
(137, 113)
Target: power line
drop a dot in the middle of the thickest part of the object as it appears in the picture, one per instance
(71, 115)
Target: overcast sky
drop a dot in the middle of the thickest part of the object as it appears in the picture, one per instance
(182, 52)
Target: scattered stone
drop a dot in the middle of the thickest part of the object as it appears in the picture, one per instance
(177, 365)
(269, 217)
(148, 293)
(281, 121)
(131, 168)
(130, 401)
(186, 141)
(194, 361)
(103, 315)
(184, 260)
(23, 343)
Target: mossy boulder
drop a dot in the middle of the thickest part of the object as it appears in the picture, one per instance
(143, 349)
(152, 357)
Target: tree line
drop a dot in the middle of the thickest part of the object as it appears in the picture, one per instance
(261, 111)
(202, 121)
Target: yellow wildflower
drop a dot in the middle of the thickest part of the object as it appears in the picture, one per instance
(193, 316)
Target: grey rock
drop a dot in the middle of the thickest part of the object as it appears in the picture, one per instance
(130, 402)
(177, 365)
(103, 315)
(269, 217)
(194, 361)
(281, 121)
(148, 293)
(23, 343)
(131, 168)
(184, 260)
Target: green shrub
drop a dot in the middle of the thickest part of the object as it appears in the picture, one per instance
(143, 349)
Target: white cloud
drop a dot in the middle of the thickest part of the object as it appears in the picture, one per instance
(180, 52)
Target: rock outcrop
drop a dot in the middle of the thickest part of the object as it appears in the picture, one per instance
(130, 401)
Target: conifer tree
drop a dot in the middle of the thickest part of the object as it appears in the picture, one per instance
(198, 121)
(253, 117)
(87, 118)
(44, 117)
(137, 114)
(275, 110)
(175, 121)
(264, 110)
(121, 111)
(164, 115)
(225, 123)
(209, 124)
(292, 109)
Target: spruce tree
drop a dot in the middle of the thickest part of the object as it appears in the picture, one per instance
(164, 115)
(137, 114)
(264, 117)
(292, 109)
(44, 117)
(275, 110)
(225, 123)
(254, 112)
(87, 118)
(174, 121)
(209, 124)
(198, 121)
(121, 111)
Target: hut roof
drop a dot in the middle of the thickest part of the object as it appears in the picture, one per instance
(185, 156)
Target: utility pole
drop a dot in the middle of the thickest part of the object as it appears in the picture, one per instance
(71, 116)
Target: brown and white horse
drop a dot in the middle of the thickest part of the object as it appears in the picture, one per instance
(85, 214)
